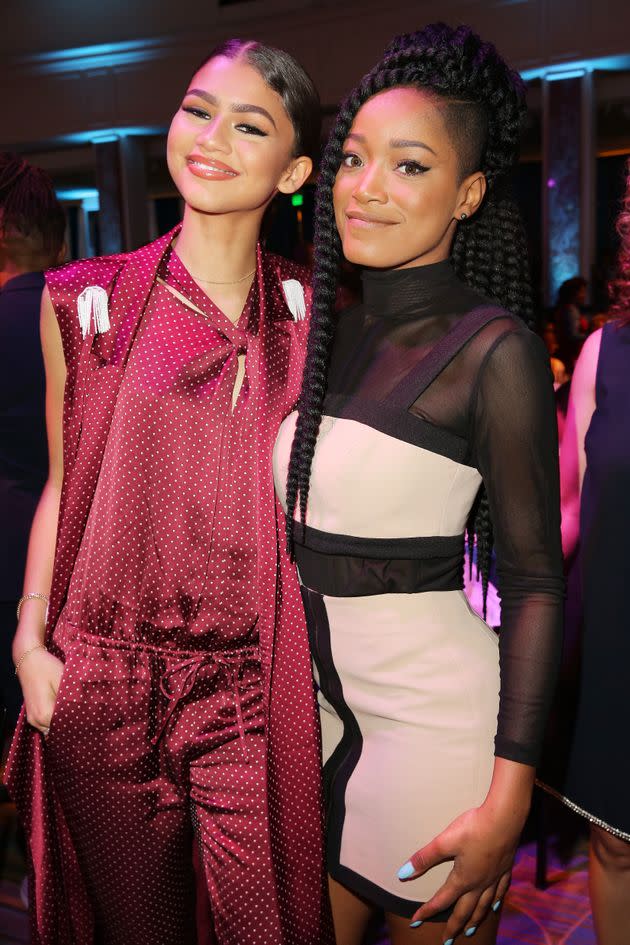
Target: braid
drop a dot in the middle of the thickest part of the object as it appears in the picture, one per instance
(484, 111)
(327, 251)
(619, 288)
(12, 167)
(491, 256)
(32, 222)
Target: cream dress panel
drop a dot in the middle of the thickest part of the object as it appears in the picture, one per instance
(401, 491)
(420, 672)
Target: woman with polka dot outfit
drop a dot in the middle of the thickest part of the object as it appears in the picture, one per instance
(168, 693)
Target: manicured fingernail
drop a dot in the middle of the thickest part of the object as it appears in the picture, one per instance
(470, 931)
(449, 941)
(497, 905)
(406, 871)
(416, 924)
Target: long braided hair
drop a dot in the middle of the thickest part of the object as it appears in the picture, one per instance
(619, 288)
(484, 112)
(32, 221)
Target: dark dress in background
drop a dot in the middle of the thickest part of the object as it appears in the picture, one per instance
(23, 455)
(599, 764)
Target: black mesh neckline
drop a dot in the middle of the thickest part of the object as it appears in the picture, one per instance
(418, 291)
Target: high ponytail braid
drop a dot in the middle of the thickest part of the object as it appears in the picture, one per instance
(484, 112)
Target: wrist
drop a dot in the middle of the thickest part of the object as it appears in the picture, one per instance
(29, 633)
(512, 807)
(37, 648)
(510, 794)
(29, 600)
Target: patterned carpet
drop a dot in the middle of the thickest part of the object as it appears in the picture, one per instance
(559, 915)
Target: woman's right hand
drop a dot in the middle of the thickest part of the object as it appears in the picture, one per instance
(40, 675)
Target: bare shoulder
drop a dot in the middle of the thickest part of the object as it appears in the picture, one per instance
(590, 348)
(585, 372)
(50, 333)
(49, 327)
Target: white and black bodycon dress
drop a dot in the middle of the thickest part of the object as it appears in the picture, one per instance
(431, 391)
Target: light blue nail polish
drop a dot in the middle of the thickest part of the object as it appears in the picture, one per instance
(449, 941)
(406, 871)
(416, 924)
(497, 905)
(470, 931)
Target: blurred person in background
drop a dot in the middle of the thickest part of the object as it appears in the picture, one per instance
(559, 371)
(32, 228)
(561, 377)
(571, 325)
(550, 338)
(595, 482)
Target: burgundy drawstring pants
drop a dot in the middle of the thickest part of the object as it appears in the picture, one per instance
(151, 750)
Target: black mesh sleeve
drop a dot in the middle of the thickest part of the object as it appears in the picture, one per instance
(514, 436)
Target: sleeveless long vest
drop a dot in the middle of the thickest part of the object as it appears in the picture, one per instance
(60, 907)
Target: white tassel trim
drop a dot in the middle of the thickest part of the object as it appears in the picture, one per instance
(294, 294)
(93, 301)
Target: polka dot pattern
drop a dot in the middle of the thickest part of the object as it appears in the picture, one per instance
(108, 373)
(169, 550)
(130, 801)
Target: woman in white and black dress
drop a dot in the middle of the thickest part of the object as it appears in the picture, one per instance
(427, 410)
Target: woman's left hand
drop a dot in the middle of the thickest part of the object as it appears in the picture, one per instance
(482, 845)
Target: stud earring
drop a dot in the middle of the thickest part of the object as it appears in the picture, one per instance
(464, 216)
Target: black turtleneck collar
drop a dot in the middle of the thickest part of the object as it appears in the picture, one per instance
(417, 291)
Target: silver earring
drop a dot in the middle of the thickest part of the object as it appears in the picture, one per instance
(464, 216)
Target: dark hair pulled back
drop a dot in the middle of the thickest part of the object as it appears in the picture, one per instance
(485, 109)
(289, 80)
(32, 221)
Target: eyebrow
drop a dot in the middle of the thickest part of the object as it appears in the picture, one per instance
(237, 107)
(406, 143)
(395, 142)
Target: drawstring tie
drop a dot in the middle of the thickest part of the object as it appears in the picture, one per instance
(178, 682)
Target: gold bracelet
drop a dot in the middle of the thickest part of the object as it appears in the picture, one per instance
(40, 646)
(32, 596)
